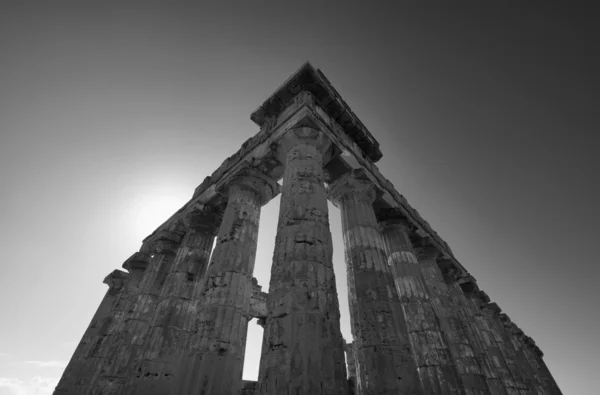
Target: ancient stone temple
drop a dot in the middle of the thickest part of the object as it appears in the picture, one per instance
(175, 322)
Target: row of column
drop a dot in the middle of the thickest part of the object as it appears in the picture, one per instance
(177, 323)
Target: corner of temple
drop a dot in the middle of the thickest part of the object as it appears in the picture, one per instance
(176, 321)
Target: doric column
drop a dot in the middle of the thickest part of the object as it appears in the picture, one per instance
(97, 375)
(449, 304)
(528, 358)
(385, 364)
(437, 371)
(215, 363)
(84, 362)
(167, 337)
(129, 338)
(305, 348)
(502, 369)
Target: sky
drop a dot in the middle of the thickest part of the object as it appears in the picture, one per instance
(112, 113)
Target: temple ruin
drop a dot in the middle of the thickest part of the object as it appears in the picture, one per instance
(175, 322)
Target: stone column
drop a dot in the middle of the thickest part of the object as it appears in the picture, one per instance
(167, 337)
(502, 368)
(217, 348)
(385, 361)
(469, 316)
(84, 362)
(305, 348)
(449, 304)
(100, 353)
(437, 371)
(529, 359)
(129, 338)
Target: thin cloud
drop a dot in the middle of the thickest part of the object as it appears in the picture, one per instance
(48, 364)
(4, 354)
(34, 386)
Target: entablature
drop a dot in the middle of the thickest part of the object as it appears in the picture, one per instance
(312, 80)
(258, 151)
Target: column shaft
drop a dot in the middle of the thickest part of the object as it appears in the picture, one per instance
(305, 348)
(448, 303)
(528, 359)
(167, 337)
(385, 362)
(84, 362)
(437, 371)
(127, 346)
(215, 363)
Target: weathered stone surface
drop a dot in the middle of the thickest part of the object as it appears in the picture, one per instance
(156, 364)
(126, 341)
(437, 371)
(305, 348)
(405, 317)
(381, 340)
(528, 359)
(79, 373)
(449, 306)
(217, 345)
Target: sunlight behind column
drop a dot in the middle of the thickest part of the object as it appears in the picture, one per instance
(152, 210)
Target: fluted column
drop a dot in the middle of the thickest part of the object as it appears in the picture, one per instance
(437, 371)
(471, 319)
(449, 305)
(129, 337)
(97, 376)
(495, 342)
(385, 363)
(305, 348)
(215, 363)
(528, 358)
(84, 362)
(167, 337)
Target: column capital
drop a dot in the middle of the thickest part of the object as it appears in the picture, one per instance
(251, 178)
(203, 218)
(354, 184)
(428, 252)
(481, 298)
(116, 279)
(165, 242)
(493, 307)
(394, 217)
(138, 262)
(302, 134)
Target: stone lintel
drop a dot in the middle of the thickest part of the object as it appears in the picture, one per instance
(353, 158)
(307, 78)
(116, 279)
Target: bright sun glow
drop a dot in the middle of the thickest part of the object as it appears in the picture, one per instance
(151, 211)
